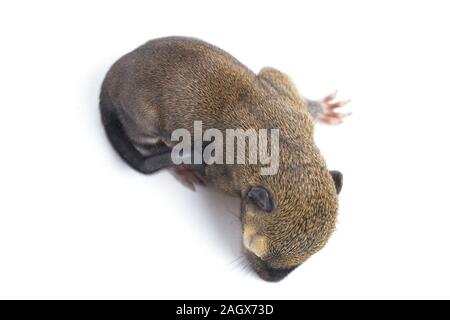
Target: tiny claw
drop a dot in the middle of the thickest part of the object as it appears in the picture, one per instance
(190, 185)
(331, 120)
(330, 97)
(188, 176)
(186, 180)
(333, 114)
(339, 104)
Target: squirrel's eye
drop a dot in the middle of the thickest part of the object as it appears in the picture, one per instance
(261, 198)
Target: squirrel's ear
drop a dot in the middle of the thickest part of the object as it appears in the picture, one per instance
(338, 180)
(261, 198)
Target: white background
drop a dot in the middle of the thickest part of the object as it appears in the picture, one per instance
(76, 222)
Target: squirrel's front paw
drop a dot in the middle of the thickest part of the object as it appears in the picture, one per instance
(328, 106)
(188, 175)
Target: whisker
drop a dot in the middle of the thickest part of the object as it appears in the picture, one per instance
(244, 266)
(234, 214)
(235, 260)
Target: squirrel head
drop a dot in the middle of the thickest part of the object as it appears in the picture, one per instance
(289, 216)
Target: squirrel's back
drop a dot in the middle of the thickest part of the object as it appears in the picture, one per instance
(178, 75)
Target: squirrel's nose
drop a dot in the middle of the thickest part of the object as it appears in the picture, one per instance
(275, 275)
(265, 271)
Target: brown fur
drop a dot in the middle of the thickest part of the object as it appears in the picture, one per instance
(170, 82)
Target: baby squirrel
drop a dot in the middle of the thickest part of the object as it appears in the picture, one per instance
(169, 83)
